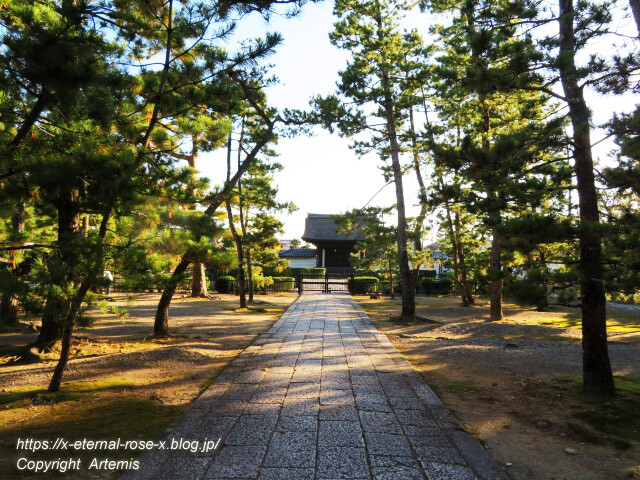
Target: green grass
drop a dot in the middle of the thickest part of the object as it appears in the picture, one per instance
(70, 391)
(461, 388)
(97, 410)
(613, 420)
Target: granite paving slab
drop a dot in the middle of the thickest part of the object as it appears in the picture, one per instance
(321, 395)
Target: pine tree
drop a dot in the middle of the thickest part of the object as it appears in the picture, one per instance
(375, 83)
(507, 146)
(574, 25)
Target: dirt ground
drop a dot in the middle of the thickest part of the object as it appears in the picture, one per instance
(515, 385)
(120, 381)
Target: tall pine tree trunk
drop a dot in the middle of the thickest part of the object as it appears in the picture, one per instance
(198, 270)
(408, 284)
(454, 255)
(495, 258)
(495, 269)
(392, 291)
(250, 273)
(597, 375)
(417, 242)
(463, 264)
(495, 263)
(240, 254)
(240, 279)
(241, 215)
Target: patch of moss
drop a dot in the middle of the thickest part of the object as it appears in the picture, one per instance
(616, 417)
(69, 391)
(586, 434)
(461, 387)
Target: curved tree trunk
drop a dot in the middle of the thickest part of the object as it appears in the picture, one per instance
(76, 302)
(161, 323)
(162, 313)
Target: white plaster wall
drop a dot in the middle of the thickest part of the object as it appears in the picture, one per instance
(302, 263)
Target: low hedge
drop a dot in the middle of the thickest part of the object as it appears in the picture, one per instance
(225, 284)
(284, 284)
(313, 271)
(363, 285)
(433, 287)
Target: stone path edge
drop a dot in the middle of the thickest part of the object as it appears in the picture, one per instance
(151, 463)
(469, 448)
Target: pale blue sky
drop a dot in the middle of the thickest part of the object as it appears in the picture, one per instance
(321, 174)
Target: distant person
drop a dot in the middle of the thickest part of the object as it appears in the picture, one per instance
(109, 278)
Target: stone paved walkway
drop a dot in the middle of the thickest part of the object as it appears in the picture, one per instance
(321, 395)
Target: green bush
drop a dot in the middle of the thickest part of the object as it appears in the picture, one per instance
(432, 274)
(567, 296)
(384, 286)
(260, 282)
(284, 284)
(313, 271)
(527, 291)
(433, 287)
(225, 284)
(621, 297)
(363, 285)
(368, 273)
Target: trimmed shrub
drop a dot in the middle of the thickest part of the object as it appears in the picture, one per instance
(369, 273)
(284, 284)
(225, 284)
(432, 287)
(313, 271)
(432, 274)
(363, 285)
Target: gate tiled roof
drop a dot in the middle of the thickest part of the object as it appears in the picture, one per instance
(320, 227)
(298, 253)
